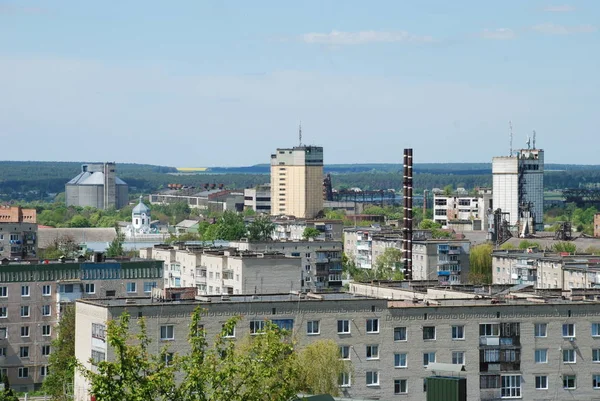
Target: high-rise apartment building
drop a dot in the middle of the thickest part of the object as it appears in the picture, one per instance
(519, 187)
(297, 181)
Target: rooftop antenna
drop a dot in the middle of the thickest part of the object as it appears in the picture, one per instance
(511, 137)
(528, 142)
(534, 139)
(300, 133)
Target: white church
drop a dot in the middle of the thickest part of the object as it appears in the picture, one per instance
(140, 226)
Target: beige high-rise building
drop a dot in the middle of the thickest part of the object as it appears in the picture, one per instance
(297, 181)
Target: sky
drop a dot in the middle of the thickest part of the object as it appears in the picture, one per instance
(224, 83)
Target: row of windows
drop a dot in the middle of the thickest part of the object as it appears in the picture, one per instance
(568, 355)
(46, 331)
(26, 311)
(510, 385)
(24, 351)
(401, 359)
(23, 373)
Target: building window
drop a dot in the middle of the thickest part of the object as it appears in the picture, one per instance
(228, 332)
(344, 380)
(458, 332)
(458, 357)
(98, 331)
(3, 352)
(373, 378)
(511, 386)
(44, 371)
(46, 310)
(400, 386)
(595, 329)
(399, 333)
(45, 350)
(568, 330)
(429, 333)
(25, 311)
(257, 326)
(343, 326)
(540, 329)
(541, 382)
(148, 286)
(24, 290)
(372, 325)
(24, 331)
(489, 330)
(66, 288)
(486, 382)
(312, 327)
(90, 288)
(3, 292)
(400, 360)
(596, 355)
(569, 382)
(596, 381)
(131, 287)
(23, 373)
(167, 332)
(46, 330)
(3, 312)
(428, 357)
(24, 352)
(344, 352)
(97, 357)
(569, 356)
(541, 356)
(372, 352)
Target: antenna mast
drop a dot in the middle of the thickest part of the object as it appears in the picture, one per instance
(534, 139)
(300, 133)
(511, 138)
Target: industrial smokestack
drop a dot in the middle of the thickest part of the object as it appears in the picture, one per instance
(408, 215)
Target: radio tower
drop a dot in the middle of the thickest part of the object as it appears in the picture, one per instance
(300, 133)
(511, 137)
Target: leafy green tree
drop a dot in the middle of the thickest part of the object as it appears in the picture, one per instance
(564, 247)
(448, 189)
(261, 229)
(480, 264)
(116, 246)
(507, 246)
(61, 246)
(593, 250)
(310, 233)
(321, 367)
(230, 226)
(334, 214)
(389, 264)
(62, 360)
(79, 221)
(427, 224)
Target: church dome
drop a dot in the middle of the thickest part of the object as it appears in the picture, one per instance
(141, 208)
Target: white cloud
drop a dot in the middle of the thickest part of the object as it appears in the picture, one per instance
(499, 34)
(554, 29)
(337, 38)
(565, 8)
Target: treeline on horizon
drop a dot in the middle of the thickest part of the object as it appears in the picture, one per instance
(32, 180)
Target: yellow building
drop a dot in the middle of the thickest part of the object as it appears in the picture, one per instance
(297, 181)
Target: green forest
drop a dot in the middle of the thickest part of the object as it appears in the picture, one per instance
(31, 181)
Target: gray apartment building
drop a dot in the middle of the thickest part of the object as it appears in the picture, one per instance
(18, 233)
(321, 260)
(31, 295)
(446, 260)
(523, 346)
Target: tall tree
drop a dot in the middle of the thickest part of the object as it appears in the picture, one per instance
(59, 382)
(230, 226)
(261, 229)
(480, 264)
(321, 366)
(116, 246)
(310, 232)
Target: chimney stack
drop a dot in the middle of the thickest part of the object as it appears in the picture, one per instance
(408, 215)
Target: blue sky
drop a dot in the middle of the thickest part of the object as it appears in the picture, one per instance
(223, 83)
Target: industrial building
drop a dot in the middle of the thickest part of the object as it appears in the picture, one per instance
(97, 186)
(518, 188)
(297, 181)
(508, 343)
(213, 198)
(31, 295)
(18, 233)
(258, 198)
(290, 228)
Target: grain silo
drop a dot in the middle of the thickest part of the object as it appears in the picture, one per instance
(97, 186)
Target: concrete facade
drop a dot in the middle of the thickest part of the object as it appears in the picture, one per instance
(30, 300)
(228, 271)
(321, 260)
(293, 229)
(297, 181)
(463, 212)
(18, 233)
(258, 199)
(530, 348)
(520, 180)
(444, 260)
(97, 186)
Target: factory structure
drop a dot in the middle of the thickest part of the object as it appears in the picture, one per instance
(97, 186)
(518, 188)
